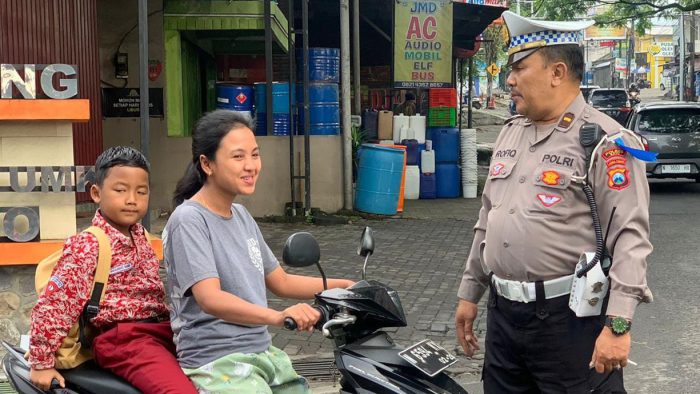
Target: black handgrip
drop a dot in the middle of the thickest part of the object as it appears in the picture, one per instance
(55, 385)
(290, 324)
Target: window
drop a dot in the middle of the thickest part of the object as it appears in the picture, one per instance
(609, 98)
(670, 120)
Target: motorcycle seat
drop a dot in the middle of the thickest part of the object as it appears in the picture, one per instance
(91, 378)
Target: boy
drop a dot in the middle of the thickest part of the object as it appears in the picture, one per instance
(141, 350)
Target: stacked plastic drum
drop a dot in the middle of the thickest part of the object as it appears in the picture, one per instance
(469, 163)
(324, 92)
(281, 121)
(412, 135)
(235, 97)
(445, 142)
(442, 119)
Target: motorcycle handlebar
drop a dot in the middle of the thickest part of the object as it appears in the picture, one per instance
(291, 325)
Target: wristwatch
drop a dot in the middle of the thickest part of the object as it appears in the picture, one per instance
(618, 325)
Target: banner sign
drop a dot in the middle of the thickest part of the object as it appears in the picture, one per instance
(126, 103)
(605, 33)
(422, 44)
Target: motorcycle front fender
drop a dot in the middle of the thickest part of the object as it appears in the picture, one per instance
(373, 364)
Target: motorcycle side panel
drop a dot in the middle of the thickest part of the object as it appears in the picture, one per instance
(374, 364)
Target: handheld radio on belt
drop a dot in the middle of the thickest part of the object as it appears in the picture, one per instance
(590, 284)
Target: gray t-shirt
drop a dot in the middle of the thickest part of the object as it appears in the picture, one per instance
(199, 244)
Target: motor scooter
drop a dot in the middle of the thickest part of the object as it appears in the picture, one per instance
(87, 378)
(367, 358)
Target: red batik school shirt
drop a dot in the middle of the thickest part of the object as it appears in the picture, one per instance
(134, 290)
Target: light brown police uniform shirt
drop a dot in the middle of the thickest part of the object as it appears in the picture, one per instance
(535, 221)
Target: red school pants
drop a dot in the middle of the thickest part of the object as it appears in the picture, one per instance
(144, 355)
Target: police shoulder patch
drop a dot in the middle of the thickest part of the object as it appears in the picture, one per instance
(618, 178)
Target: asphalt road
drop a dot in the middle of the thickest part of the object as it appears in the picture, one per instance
(666, 333)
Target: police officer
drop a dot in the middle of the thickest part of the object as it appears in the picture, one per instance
(535, 222)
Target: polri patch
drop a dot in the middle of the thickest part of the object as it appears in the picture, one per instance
(566, 120)
(548, 200)
(550, 178)
(613, 152)
(618, 178)
(497, 169)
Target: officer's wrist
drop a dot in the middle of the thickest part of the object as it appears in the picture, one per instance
(618, 325)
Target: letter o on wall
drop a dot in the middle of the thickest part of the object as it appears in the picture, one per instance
(9, 224)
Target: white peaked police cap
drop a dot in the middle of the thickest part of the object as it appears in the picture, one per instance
(528, 35)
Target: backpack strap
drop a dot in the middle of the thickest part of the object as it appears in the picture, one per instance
(104, 263)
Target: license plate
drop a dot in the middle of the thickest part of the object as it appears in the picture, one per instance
(675, 169)
(428, 357)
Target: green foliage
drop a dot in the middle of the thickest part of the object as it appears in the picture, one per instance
(357, 137)
(618, 12)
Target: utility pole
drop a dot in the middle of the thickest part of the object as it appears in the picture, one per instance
(345, 101)
(691, 50)
(144, 110)
(681, 61)
(630, 55)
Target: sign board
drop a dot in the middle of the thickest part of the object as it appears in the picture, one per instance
(493, 69)
(422, 44)
(666, 49)
(51, 179)
(19, 81)
(605, 33)
(654, 49)
(125, 103)
(489, 3)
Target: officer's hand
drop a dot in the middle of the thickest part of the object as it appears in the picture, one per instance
(42, 378)
(610, 351)
(464, 321)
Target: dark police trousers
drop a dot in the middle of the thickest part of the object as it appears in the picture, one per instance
(542, 347)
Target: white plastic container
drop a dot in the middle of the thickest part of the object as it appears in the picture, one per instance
(417, 123)
(412, 188)
(427, 161)
(400, 121)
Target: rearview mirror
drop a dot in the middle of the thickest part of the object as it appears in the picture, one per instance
(366, 242)
(301, 250)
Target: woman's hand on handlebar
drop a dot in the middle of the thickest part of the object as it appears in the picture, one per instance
(304, 315)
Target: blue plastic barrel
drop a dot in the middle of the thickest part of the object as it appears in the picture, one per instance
(379, 176)
(235, 97)
(281, 121)
(412, 152)
(324, 64)
(447, 180)
(324, 108)
(428, 188)
(280, 97)
(281, 124)
(445, 144)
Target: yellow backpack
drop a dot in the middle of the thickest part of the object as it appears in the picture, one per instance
(75, 348)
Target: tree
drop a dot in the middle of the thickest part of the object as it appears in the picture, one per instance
(494, 42)
(618, 12)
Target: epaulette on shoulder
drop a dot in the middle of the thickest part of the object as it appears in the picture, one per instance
(513, 118)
